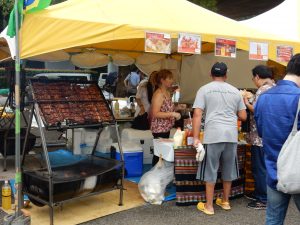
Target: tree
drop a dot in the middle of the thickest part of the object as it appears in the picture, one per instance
(6, 7)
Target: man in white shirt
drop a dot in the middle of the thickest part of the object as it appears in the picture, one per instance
(223, 105)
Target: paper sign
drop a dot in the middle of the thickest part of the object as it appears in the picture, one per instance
(259, 51)
(284, 53)
(225, 47)
(158, 42)
(189, 43)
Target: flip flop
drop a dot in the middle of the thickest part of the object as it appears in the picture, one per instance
(201, 207)
(223, 205)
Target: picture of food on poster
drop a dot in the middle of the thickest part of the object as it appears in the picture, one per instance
(225, 47)
(259, 51)
(157, 42)
(284, 53)
(189, 43)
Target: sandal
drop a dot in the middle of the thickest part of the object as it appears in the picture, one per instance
(223, 205)
(201, 207)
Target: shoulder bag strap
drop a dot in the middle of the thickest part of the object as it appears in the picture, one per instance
(296, 119)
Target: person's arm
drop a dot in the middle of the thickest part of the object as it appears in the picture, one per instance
(258, 118)
(157, 101)
(248, 105)
(242, 115)
(241, 112)
(197, 117)
(140, 104)
(126, 80)
(199, 106)
(140, 94)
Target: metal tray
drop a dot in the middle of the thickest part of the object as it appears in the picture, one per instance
(70, 104)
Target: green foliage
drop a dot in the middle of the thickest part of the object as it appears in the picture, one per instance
(6, 6)
(208, 4)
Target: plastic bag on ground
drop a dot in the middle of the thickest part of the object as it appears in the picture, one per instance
(153, 184)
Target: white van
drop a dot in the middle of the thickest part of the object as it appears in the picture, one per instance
(66, 76)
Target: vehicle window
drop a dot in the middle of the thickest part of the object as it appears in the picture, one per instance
(73, 78)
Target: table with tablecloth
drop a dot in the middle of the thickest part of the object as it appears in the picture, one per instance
(190, 191)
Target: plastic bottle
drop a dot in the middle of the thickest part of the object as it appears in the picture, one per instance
(184, 138)
(117, 108)
(189, 133)
(132, 108)
(6, 196)
(201, 136)
(189, 137)
(178, 137)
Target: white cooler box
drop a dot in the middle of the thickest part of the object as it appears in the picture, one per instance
(141, 137)
(87, 138)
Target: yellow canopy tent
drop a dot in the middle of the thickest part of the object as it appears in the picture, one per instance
(119, 25)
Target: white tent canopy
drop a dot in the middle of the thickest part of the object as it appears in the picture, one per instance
(283, 20)
(10, 42)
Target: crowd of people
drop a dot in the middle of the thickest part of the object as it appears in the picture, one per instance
(272, 114)
(272, 111)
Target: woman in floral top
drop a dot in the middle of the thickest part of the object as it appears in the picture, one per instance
(262, 78)
(163, 113)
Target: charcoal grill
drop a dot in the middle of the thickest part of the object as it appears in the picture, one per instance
(62, 105)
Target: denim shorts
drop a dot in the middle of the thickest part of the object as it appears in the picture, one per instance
(219, 154)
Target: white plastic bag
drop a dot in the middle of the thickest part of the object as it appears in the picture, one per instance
(153, 184)
(288, 167)
(105, 141)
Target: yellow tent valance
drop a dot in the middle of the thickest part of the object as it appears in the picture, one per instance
(121, 25)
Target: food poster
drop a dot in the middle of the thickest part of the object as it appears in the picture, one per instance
(284, 53)
(158, 42)
(259, 51)
(189, 43)
(225, 47)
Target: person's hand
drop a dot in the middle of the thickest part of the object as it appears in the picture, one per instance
(246, 101)
(200, 152)
(181, 106)
(196, 142)
(142, 110)
(176, 115)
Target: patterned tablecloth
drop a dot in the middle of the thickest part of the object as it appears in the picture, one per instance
(190, 191)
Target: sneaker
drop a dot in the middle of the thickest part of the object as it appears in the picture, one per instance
(257, 205)
(250, 196)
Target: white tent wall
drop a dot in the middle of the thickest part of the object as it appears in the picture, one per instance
(195, 72)
(283, 20)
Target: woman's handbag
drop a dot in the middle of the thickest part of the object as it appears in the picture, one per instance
(141, 122)
(288, 163)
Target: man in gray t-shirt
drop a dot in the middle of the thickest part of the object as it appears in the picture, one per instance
(223, 105)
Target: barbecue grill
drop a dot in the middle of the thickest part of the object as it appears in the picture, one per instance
(62, 105)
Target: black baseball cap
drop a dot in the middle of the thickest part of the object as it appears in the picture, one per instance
(219, 69)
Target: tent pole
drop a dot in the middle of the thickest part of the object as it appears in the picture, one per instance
(18, 175)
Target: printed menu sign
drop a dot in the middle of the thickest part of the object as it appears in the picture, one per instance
(189, 43)
(225, 47)
(157, 42)
(284, 53)
(258, 51)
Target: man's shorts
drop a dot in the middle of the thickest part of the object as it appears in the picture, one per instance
(224, 153)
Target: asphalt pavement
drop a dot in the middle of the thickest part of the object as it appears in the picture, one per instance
(169, 213)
